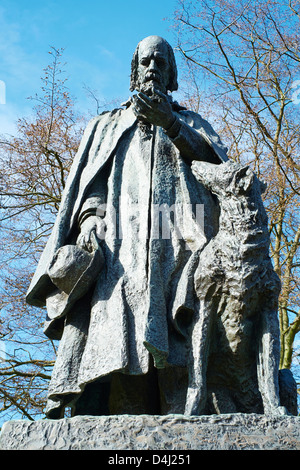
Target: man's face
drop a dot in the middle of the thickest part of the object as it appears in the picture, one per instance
(153, 66)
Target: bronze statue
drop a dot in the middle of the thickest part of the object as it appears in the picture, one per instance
(119, 287)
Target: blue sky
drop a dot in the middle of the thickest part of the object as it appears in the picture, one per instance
(99, 38)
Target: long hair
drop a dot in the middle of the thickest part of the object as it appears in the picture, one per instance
(172, 85)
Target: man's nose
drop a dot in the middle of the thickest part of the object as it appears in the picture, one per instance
(153, 65)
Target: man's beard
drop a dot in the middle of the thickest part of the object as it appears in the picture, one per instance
(151, 80)
(149, 89)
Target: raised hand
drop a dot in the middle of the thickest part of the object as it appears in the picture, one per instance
(156, 110)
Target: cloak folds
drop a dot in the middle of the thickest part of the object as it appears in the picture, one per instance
(98, 144)
(142, 298)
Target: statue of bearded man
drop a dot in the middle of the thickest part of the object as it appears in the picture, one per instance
(117, 273)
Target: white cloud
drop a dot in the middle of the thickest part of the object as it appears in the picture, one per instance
(20, 71)
(8, 119)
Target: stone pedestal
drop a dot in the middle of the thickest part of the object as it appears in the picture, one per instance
(164, 433)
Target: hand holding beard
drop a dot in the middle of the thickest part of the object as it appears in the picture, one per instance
(154, 107)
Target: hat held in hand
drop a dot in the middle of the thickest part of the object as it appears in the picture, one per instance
(73, 271)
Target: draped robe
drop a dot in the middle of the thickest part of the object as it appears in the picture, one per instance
(143, 299)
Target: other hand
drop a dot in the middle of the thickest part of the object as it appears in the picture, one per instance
(92, 230)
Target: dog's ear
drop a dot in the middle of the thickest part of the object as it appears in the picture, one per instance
(263, 186)
(242, 180)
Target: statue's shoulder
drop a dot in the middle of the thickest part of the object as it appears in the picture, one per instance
(113, 114)
(190, 115)
(197, 122)
(94, 121)
(101, 119)
(105, 115)
(193, 119)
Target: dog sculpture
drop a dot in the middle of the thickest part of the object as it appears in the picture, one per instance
(235, 336)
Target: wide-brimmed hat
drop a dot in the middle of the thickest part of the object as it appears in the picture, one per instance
(73, 271)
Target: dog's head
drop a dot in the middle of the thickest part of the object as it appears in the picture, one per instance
(227, 179)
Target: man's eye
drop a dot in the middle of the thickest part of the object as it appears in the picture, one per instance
(145, 62)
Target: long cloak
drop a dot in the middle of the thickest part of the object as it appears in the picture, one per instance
(143, 298)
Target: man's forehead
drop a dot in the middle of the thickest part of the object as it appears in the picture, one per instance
(152, 46)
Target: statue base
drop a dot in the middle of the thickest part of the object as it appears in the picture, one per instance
(146, 432)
